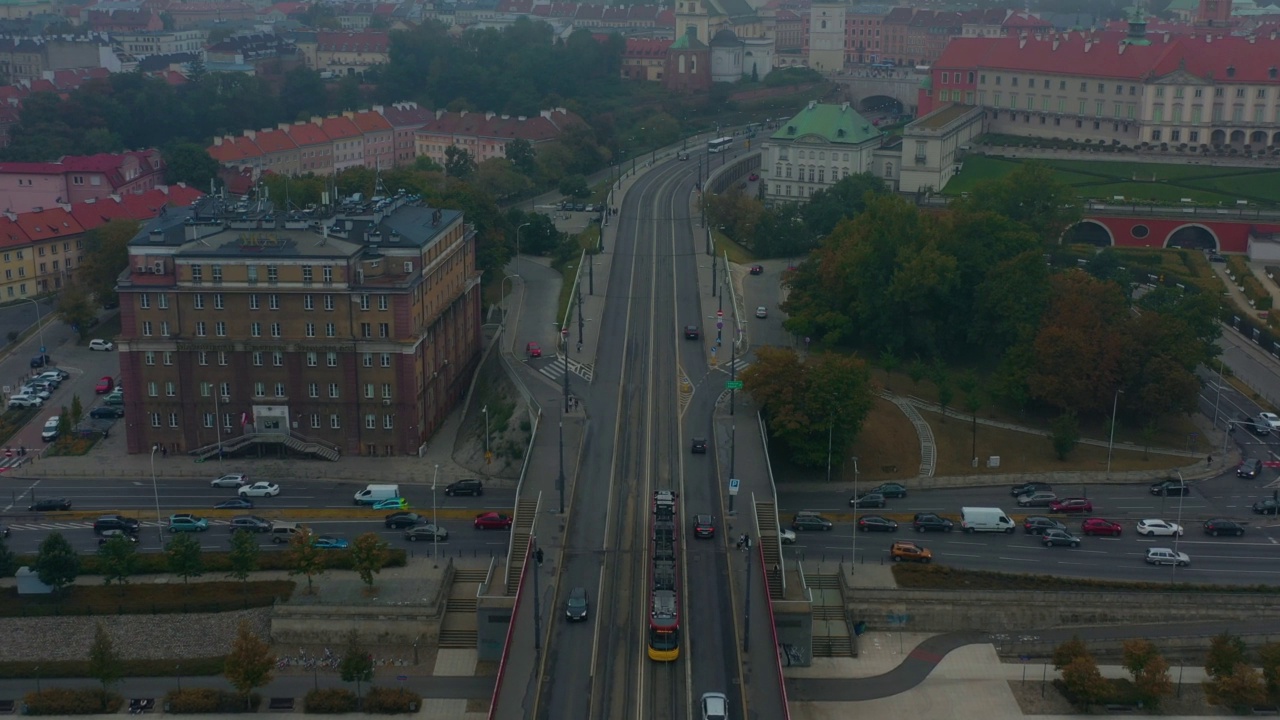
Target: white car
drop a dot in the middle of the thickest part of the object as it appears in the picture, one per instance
(50, 432)
(1151, 528)
(260, 489)
(786, 536)
(25, 400)
(234, 480)
(715, 706)
(762, 312)
(40, 390)
(1166, 556)
(99, 344)
(52, 379)
(1271, 419)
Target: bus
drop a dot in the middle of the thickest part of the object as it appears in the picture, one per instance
(664, 602)
(719, 144)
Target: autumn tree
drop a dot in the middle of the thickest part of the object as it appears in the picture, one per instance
(305, 558)
(243, 556)
(1239, 687)
(57, 563)
(1068, 651)
(369, 555)
(105, 664)
(248, 666)
(1225, 652)
(1065, 434)
(1082, 344)
(106, 256)
(1084, 682)
(184, 558)
(75, 307)
(118, 558)
(1269, 658)
(1150, 671)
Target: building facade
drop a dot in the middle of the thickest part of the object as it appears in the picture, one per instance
(815, 149)
(25, 187)
(360, 336)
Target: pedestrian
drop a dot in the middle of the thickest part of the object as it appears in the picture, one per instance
(579, 347)
(1208, 460)
(164, 452)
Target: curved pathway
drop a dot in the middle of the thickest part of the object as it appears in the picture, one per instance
(928, 448)
(921, 661)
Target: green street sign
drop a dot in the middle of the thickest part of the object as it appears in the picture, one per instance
(733, 385)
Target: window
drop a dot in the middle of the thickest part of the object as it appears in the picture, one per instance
(368, 360)
(164, 328)
(198, 300)
(310, 330)
(1155, 135)
(155, 419)
(273, 301)
(173, 419)
(259, 389)
(217, 273)
(1240, 92)
(275, 330)
(315, 421)
(153, 390)
(1261, 94)
(366, 330)
(370, 422)
(255, 330)
(273, 274)
(252, 271)
(222, 358)
(328, 302)
(330, 330)
(277, 359)
(996, 98)
(1031, 83)
(333, 390)
(1159, 92)
(335, 422)
(149, 358)
(382, 302)
(388, 422)
(313, 390)
(364, 301)
(327, 274)
(386, 360)
(308, 303)
(146, 328)
(311, 359)
(197, 273)
(280, 390)
(368, 391)
(257, 359)
(170, 390)
(162, 299)
(253, 301)
(168, 357)
(1194, 136)
(386, 391)
(1175, 136)
(144, 301)
(202, 357)
(208, 420)
(331, 359)
(384, 329)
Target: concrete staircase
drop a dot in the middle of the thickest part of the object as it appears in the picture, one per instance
(458, 626)
(767, 521)
(298, 444)
(831, 636)
(521, 532)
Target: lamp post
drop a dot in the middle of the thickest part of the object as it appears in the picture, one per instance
(1115, 403)
(39, 324)
(435, 522)
(854, 549)
(518, 229)
(485, 410)
(156, 491)
(1181, 495)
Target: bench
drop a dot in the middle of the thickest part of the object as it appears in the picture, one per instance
(137, 706)
(1117, 708)
(7, 706)
(280, 703)
(1266, 710)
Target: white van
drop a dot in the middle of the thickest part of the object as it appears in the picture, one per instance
(374, 493)
(985, 519)
(50, 432)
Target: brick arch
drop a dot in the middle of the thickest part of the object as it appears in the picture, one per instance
(1087, 232)
(1214, 243)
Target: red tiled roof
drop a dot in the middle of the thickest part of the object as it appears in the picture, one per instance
(369, 121)
(48, 223)
(1243, 60)
(95, 213)
(533, 129)
(646, 48)
(406, 115)
(1023, 20)
(273, 141)
(339, 128)
(374, 41)
(305, 133)
(12, 234)
(590, 12)
(666, 18)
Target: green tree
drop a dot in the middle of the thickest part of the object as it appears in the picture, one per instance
(248, 666)
(106, 256)
(369, 554)
(1066, 433)
(57, 563)
(305, 558)
(190, 163)
(1269, 658)
(1225, 652)
(574, 186)
(1068, 651)
(8, 560)
(889, 361)
(1239, 687)
(499, 178)
(184, 556)
(243, 556)
(118, 558)
(105, 664)
(458, 162)
(539, 235)
(521, 154)
(1032, 195)
(357, 664)
(1153, 682)
(1084, 682)
(77, 410)
(74, 307)
(916, 371)
(64, 423)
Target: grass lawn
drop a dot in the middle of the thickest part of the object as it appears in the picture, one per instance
(939, 577)
(723, 244)
(887, 448)
(1027, 453)
(146, 598)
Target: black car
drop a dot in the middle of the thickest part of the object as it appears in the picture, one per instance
(890, 490)
(691, 332)
(398, 520)
(1253, 424)
(1249, 468)
(50, 504)
(235, 503)
(107, 412)
(699, 446)
(928, 521)
(1053, 536)
(869, 500)
(577, 606)
(1220, 526)
(115, 522)
(1028, 488)
(470, 486)
(1171, 487)
(875, 523)
(1267, 507)
(1038, 524)
(810, 521)
(757, 270)
(704, 526)
(109, 535)
(250, 523)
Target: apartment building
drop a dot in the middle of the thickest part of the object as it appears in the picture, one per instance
(27, 186)
(357, 337)
(485, 135)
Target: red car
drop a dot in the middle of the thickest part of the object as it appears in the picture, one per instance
(105, 385)
(493, 521)
(757, 269)
(1071, 505)
(1098, 526)
(753, 177)
(532, 350)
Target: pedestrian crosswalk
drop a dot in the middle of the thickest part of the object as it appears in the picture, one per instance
(11, 463)
(737, 366)
(87, 524)
(555, 369)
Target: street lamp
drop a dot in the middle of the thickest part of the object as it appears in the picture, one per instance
(485, 410)
(39, 324)
(435, 522)
(518, 229)
(1115, 403)
(1181, 495)
(854, 561)
(156, 491)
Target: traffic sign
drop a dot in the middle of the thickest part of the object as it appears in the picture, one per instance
(719, 313)
(733, 385)
(719, 324)
(1271, 463)
(733, 485)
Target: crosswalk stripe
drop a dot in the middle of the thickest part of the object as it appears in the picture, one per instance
(555, 369)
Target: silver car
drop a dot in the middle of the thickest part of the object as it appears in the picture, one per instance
(231, 480)
(1040, 498)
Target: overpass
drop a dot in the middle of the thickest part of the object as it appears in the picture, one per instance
(871, 91)
(1200, 228)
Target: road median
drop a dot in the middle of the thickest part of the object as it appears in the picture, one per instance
(291, 514)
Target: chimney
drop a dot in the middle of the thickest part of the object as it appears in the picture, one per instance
(217, 140)
(1055, 42)
(844, 107)
(1252, 39)
(349, 114)
(282, 126)
(1022, 41)
(1088, 44)
(251, 134)
(1208, 39)
(488, 116)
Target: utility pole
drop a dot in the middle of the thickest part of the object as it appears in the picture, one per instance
(564, 337)
(746, 612)
(580, 321)
(560, 477)
(537, 602)
(591, 274)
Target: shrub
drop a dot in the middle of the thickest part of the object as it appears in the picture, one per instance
(207, 700)
(330, 701)
(388, 701)
(65, 701)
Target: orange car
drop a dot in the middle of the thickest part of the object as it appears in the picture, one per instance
(903, 550)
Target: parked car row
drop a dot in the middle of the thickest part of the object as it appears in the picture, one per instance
(34, 392)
